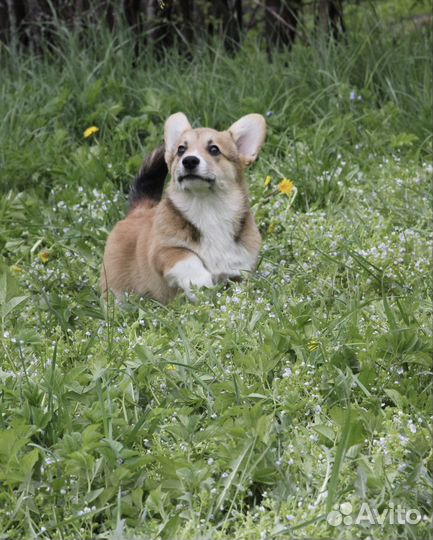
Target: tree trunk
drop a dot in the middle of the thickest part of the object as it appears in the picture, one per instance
(229, 12)
(330, 19)
(186, 8)
(281, 21)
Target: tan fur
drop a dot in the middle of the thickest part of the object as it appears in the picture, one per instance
(144, 248)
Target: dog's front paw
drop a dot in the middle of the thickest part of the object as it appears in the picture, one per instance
(204, 279)
(189, 273)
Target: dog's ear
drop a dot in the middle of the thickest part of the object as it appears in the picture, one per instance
(249, 133)
(175, 125)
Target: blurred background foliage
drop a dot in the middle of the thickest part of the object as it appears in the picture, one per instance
(164, 23)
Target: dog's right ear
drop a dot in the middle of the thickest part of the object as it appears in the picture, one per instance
(175, 125)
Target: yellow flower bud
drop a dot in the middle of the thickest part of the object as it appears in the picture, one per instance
(90, 131)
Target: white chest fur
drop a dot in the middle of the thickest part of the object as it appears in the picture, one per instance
(216, 216)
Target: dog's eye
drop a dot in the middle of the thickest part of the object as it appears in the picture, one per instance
(214, 150)
(181, 150)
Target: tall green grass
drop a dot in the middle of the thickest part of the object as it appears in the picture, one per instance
(53, 96)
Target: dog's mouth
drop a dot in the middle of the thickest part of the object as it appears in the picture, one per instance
(207, 179)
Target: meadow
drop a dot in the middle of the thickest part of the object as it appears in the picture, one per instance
(252, 414)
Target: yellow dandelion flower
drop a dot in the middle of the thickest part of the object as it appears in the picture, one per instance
(90, 131)
(286, 186)
(272, 226)
(313, 345)
(267, 181)
(44, 256)
(16, 269)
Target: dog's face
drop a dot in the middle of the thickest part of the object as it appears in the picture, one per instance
(204, 159)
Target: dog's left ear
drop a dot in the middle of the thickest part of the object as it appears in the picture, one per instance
(249, 133)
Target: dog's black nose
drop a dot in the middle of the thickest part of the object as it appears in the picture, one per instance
(190, 162)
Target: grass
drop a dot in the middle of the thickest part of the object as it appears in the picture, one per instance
(269, 403)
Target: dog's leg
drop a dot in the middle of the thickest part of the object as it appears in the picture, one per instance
(182, 268)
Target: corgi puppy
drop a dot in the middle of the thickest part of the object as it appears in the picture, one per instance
(201, 232)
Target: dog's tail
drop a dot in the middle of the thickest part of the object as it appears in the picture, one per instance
(149, 183)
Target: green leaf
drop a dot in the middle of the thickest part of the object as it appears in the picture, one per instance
(396, 397)
(338, 460)
(8, 286)
(9, 306)
(92, 495)
(403, 139)
(326, 431)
